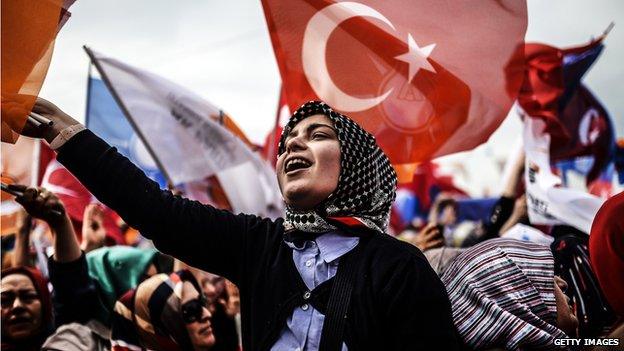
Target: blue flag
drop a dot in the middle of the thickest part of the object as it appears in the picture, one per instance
(105, 118)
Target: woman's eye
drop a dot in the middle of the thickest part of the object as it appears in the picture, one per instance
(318, 136)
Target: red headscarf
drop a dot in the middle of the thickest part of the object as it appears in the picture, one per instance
(606, 251)
(41, 286)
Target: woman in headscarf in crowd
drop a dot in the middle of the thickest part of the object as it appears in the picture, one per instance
(505, 295)
(606, 252)
(85, 288)
(115, 270)
(298, 276)
(26, 309)
(165, 312)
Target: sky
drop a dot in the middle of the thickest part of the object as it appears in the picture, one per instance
(221, 50)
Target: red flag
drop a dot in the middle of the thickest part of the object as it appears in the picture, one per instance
(271, 142)
(551, 78)
(588, 131)
(76, 197)
(427, 78)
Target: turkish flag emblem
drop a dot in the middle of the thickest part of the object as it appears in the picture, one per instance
(427, 78)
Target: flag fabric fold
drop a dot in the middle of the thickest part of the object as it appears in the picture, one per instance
(579, 125)
(189, 138)
(397, 69)
(29, 28)
(105, 118)
(548, 202)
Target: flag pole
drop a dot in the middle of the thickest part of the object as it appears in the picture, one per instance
(88, 104)
(126, 112)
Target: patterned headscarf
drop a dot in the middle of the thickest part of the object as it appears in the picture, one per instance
(150, 316)
(366, 185)
(503, 295)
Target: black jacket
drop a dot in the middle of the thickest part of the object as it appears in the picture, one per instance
(398, 302)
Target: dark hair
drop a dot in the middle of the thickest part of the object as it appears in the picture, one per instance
(447, 202)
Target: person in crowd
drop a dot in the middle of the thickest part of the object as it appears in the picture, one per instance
(93, 230)
(223, 306)
(74, 293)
(429, 240)
(300, 275)
(21, 250)
(505, 295)
(117, 269)
(26, 309)
(165, 312)
(83, 284)
(606, 253)
(572, 264)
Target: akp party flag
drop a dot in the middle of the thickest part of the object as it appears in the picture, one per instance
(548, 202)
(427, 78)
(29, 28)
(189, 137)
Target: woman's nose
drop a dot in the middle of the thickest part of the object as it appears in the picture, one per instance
(206, 313)
(18, 303)
(295, 143)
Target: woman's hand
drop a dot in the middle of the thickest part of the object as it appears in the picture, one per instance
(428, 238)
(50, 111)
(41, 203)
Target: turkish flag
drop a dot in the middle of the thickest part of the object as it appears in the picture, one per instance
(427, 78)
(75, 198)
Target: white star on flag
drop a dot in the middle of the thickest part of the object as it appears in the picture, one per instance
(416, 57)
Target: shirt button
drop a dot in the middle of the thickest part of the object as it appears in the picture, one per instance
(306, 295)
(305, 307)
(308, 263)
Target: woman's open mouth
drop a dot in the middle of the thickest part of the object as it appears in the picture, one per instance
(296, 164)
(206, 330)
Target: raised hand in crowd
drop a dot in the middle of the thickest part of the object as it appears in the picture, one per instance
(519, 214)
(22, 240)
(230, 300)
(93, 231)
(429, 237)
(45, 205)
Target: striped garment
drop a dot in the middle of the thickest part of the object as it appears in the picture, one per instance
(150, 318)
(502, 294)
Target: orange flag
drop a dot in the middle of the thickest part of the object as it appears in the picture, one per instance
(29, 28)
(427, 78)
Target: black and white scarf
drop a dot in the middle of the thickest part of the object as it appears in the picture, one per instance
(366, 185)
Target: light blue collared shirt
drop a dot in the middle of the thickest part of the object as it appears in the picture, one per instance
(316, 261)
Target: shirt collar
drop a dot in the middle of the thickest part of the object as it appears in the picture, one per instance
(331, 245)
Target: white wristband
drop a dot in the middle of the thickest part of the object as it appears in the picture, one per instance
(65, 135)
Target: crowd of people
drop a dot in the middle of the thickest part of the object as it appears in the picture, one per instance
(443, 285)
